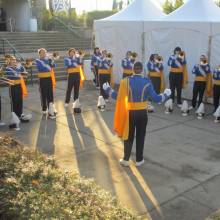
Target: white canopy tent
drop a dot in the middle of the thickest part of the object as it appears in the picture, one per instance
(125, 31)
(195, 27)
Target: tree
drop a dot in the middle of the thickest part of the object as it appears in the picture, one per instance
(168, 6)
(177, 4)
(114, 5)
(218, 3)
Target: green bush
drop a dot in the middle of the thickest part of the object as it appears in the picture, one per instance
(96, 15)
(33, 187)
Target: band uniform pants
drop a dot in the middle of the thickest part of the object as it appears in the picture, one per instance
(73, 82)
(15, 93)
(46, 92)
(137, 122)
(216, 95)
(103, 78)
(176, 84)
(156, 81)
(96, 75)
(198, 90)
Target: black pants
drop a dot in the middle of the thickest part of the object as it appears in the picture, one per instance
(156, 81)
(46, 91)
(137, 121)
(216, 95)
(73, 82)
(126, 75)
(15, 93)
(103, 78)
(96, 75)
(198, 90)
(176, 84)
(0, 108)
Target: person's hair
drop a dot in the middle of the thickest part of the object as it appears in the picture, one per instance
(177, 49)
(152, 57)
(96, 48)
(41, 49)
(128, 52)
(138, 67)
(203, 57)
(70, 50)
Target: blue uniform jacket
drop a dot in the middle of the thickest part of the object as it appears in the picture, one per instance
(43, 65)
(216, 74)
(103, 63)
(141, 89)
(174, 61)
(201, 70)
(154, 67)
(127, 64)
(14, 73)
(72, 62)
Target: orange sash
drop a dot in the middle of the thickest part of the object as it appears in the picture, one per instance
(209, 90)
(121, 117)
(82, 77)
(112, 80)
(185, 76)
(53, 78)
(23, 88)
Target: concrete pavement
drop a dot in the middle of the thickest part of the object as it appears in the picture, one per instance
(180, 179)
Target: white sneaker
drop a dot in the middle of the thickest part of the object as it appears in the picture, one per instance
(44, 112)
(124, 163)
(179, 105)
(138, 164)
(107, 100)
(2, 124)
(66, 105)
(52, 116)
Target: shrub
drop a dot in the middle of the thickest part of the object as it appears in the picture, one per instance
(33, 187)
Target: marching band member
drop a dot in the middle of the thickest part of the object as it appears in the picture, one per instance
(105, 71)
(17, 90)
(202, 81)
(73, 63)
(1, 122)
(178, 74)
(94, 65)
(155, 73)
(127, 65)
(47, 82)
(216, 88)
(130, 112)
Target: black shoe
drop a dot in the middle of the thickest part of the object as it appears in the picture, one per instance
(77, 110)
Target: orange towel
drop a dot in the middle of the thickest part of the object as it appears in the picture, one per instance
(23, 88)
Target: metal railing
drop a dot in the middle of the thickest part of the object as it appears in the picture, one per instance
(8, 48)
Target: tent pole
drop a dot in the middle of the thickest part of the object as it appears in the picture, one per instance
(143, 46)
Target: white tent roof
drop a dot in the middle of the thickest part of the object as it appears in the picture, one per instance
(196, 11)
(138, 10)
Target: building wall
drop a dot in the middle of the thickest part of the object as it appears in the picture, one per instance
(20, 11)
